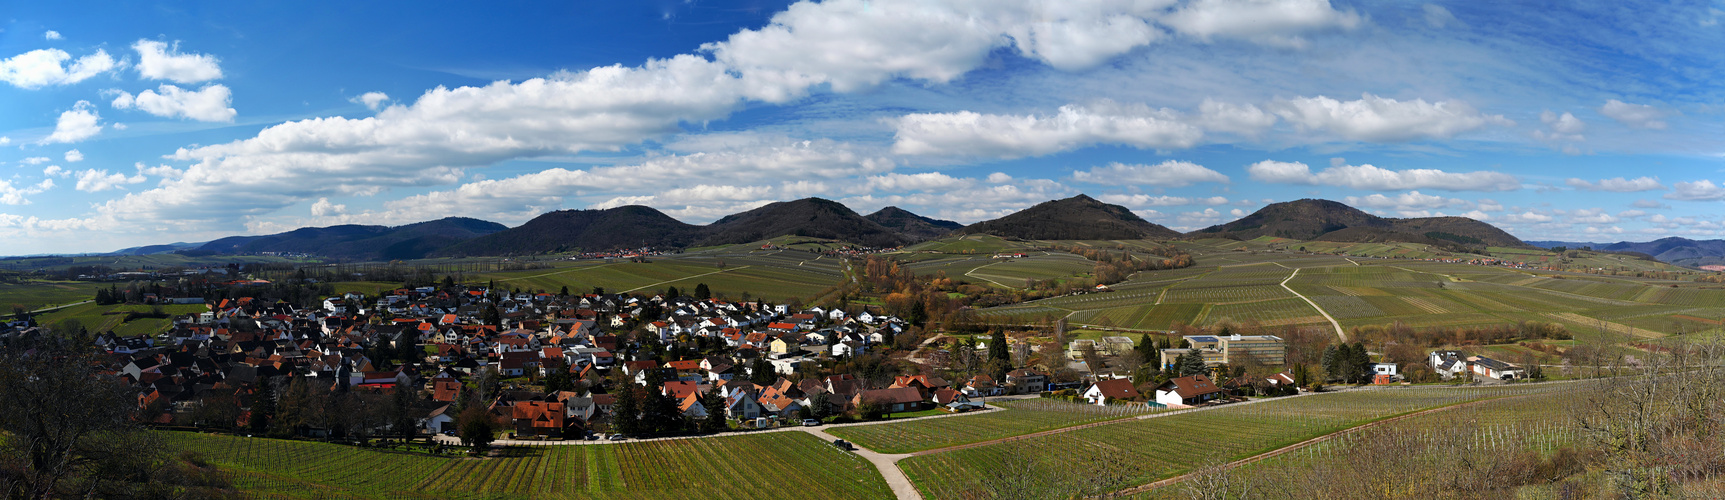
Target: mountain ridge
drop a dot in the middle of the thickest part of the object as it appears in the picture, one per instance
(1077, 218)
(1326, 220)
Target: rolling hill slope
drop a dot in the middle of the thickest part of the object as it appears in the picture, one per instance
(1077, 218)
(1325, 220)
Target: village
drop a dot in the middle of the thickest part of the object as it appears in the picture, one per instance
(548, 366)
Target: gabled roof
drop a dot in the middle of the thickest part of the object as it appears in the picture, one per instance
(1116, 388)
(890, 396)
(1190, 387)
(541, 414)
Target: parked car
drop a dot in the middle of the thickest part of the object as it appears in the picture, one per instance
(449, 433)
(809, 422)
(617, 437)
(841, 444)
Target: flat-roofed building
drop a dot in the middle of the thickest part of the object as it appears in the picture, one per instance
(1265, 349)
(1233, 349)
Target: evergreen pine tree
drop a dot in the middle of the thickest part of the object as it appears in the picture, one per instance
(1332, 368)
(702, 292)
(1192, 363)
(715, 405)
(626, 412)
(997, 347)
(1361, 363)
(672, 293)
(263, 406)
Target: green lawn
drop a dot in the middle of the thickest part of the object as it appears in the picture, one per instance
(35, 295)
(98, 319)
(766, 465)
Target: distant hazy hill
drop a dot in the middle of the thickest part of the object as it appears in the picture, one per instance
(1673, 250)
(633, 226)
(813, 217)
(1325, 220)
(911, 224)
(357, 242)
(1077, 218)
(156, 249)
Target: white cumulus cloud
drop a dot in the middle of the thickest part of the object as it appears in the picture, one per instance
(95, 180)
(1381, 119)
(209, 104)
(323, 208)
(1409, 201)
(1617, 184)
(1243, 119)
(1634, 115)
(1014, 136)
(51, 35)
(15, 195)
(44, 67)
(74, 156)
(371, 100)
(159, 61)
(1274, 22)
(1171, 173)
(1701, 190)
(1381, 179)
(76, 124)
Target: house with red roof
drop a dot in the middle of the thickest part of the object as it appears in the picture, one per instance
(538, 418)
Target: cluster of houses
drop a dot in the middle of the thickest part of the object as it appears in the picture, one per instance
(1451, 364)
(242, 343)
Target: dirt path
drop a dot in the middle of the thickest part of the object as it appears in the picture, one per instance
(686, 278)
(1339, 332)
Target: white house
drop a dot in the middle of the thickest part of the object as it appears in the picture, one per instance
(1116, 390)
(440, 420)
(1448, 364)
(1488, 367)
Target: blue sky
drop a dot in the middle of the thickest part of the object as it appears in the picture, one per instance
(132, 124)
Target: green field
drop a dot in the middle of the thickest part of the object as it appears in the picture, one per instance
(1241, 281)
(98, 319)
(769, 274)
(35, 295)
(1164, 446)
(768, 465)
(1396, 456)
(1017, 418)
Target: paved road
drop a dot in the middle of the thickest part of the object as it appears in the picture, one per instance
(887, 464)
(59, 307)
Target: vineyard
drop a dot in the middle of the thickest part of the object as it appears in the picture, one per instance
(1018, 418)
(1362, 462)
(776, 275)
(740, 467)
(1155, 448)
